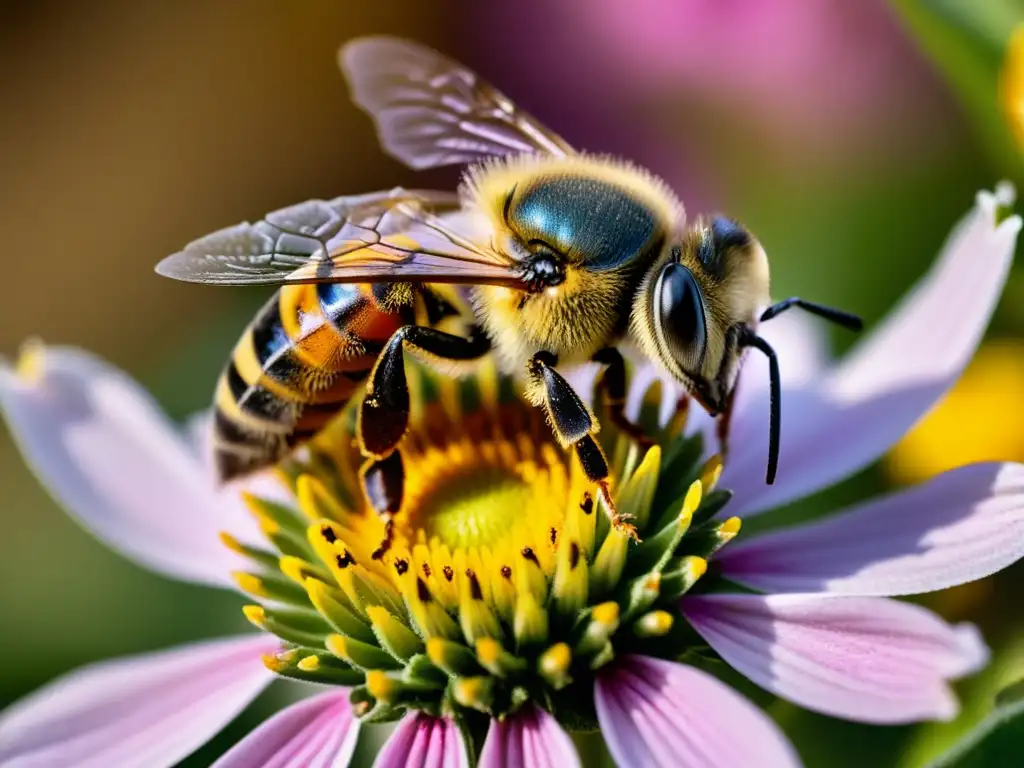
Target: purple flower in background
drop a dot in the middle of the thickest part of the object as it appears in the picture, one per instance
(665, 81)
(439, 653)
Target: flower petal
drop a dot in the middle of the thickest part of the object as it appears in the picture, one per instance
(423, 741)
(105, 451)
(859, 658)
(659, 713)
(318, 732)
(529, 737)
(962, 525)
(152, 709)
(842, 424)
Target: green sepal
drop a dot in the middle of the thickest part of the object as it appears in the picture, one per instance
(712, 503)
(420, 669)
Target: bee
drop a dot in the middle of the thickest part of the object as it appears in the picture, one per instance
(545, 257)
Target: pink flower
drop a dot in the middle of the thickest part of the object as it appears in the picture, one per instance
(823, 632)
(799, 75)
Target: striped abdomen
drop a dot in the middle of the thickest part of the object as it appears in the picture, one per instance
(296, 366)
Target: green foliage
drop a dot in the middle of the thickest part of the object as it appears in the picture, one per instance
(966, 39)
(997, 741)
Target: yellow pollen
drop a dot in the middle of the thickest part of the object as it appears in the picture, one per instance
(731, 526)
(692, 501)
(31, 363)
(711, 472)
(698, 566)
(556, 659)
(470, 691)
(250, 584)
(488, 650)
(655, 624)
(336, 644)
(606, 613)
(436, 650)
(231, 542)
(256, 614)
(378, 614)
(267, 525)
(379, 684)
(494, 497)
(295, 568)
(309, 664)
(273, 663)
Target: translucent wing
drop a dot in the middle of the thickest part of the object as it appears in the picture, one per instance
(396, 236)
(432, 111)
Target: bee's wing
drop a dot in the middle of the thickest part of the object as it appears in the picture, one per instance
(432, 111)
(396, 236)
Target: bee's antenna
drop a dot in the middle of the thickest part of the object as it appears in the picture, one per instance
(751, 339)
(837, 316)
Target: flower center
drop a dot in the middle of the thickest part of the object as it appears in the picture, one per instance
(503, 581)
(474, 508)
(470, 494)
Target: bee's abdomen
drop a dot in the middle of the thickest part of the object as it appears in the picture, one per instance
(296, 366)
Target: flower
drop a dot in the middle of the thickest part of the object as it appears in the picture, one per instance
(978, 420)
(584, 627)
(797, 66)
(1011, 86)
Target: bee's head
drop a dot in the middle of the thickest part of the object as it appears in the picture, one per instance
(698, 309)
(695, 301)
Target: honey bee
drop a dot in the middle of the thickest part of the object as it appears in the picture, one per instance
(563, 257)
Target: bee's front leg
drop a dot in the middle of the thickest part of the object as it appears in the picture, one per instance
(612, 384)
(574, 425)
(384, 414)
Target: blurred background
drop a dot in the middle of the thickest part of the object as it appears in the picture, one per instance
(849, 136)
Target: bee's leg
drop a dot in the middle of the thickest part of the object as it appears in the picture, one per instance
(612, 383)
(724, 423)
(384, 414)
(574, 426)
(384, 483)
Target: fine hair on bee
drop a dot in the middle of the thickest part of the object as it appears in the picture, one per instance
(545, 257)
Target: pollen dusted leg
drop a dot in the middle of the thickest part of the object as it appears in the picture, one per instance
(384, 413)
(612, 383)
(573, 425)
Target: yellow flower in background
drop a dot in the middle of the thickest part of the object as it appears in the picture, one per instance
(1011, 85)
(981, 419)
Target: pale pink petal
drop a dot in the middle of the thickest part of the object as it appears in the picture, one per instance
(960, 526)
(529, 737)
(105, 451)
(859, 658)
(318, 732)
(866, 403)
(148, 710)
(659, 714)
(423, 741)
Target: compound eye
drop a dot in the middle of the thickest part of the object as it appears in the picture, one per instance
(680, 316)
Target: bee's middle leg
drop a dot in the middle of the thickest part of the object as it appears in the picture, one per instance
(612, 384)
(574, 426)
(384, 414)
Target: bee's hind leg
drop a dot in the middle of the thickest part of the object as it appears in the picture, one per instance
(384, 413)
(612, 384)
(384, 485)
(574, 426)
